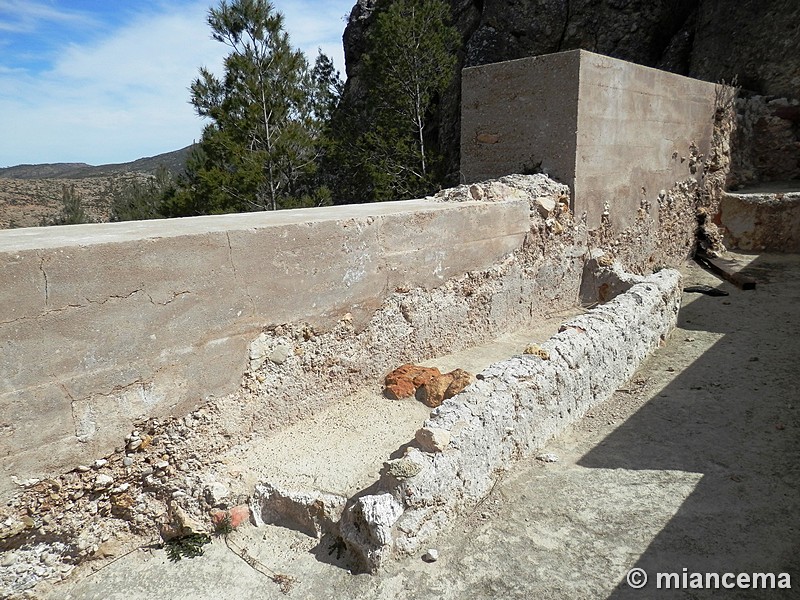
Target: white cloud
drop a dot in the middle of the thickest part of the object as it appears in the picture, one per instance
(112, 100)
(314, 24)
(126, 95)
(21, 16)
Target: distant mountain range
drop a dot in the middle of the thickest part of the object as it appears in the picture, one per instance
(31, 195)
(173, 161)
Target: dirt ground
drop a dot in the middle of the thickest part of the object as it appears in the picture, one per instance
(694, 465)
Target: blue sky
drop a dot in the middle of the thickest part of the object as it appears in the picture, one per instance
(105, 81)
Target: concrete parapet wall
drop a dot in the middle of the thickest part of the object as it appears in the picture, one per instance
(104, 324)
(615, 132)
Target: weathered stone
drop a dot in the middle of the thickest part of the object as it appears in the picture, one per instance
(121, 488)
(487, 138)
(311, 512)
(180, 525)
(432, 555)
(235, 516)
(239, 514)
(403, 468)
(366, 528)
(109, 549)
(445, 386)
(215, 493)
(280, 354)
(536, 350)
(546, 205)
(433, 439)
(258, 350)
(11, 530)
(548, 457)
(103, 481)
(404, 381)
(476, 192)
(432, 393)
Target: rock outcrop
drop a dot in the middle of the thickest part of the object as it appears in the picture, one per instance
(713, 40)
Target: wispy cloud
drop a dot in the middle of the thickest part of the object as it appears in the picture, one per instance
(23, 16)
(124, 94)
(102, 100)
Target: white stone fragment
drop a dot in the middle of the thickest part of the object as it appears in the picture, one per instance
(432, 555)
(548, 457)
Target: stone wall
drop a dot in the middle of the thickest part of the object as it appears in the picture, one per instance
(766, 219)
(766, 144)
(509, 413)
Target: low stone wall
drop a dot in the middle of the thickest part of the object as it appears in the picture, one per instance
(766, 219)
(510, 412)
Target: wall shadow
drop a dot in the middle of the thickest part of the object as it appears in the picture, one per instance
(733, 415)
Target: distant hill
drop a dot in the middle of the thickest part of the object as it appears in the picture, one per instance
(174, 162)
(30, 195)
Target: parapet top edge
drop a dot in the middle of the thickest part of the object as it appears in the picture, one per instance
(38, 238)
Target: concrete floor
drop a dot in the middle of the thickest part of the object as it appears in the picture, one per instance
(694, 465)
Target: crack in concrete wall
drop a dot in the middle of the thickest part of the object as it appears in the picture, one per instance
(242, 284)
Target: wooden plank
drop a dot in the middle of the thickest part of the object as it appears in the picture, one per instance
(727, 269)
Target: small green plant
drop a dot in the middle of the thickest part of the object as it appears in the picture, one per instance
(188, 546)
(224, 526)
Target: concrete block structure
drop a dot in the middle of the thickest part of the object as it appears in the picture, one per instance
(615, 132)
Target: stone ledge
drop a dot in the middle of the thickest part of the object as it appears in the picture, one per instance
(765, 219)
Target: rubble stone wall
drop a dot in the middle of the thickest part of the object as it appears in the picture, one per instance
(766, 144)
(509, 413)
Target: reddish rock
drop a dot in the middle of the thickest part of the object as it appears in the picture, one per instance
(404, 381)
(237, 515)
(443, 387)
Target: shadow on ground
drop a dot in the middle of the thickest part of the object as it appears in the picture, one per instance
(733, 416)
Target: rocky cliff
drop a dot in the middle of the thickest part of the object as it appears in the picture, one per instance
(754, 40)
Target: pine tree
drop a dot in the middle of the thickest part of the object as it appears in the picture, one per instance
(260, 149)
(411, 60)
(139, 200)
(384, 148)
(72, 211)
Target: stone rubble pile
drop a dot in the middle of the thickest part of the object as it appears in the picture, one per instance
(97, 510)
